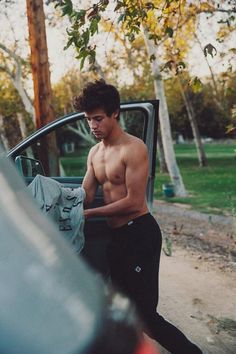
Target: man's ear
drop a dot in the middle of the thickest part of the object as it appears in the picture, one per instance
(116, 114)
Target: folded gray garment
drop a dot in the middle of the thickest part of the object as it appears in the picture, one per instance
(64, 206)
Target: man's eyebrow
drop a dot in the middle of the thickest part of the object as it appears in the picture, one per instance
(93, 117)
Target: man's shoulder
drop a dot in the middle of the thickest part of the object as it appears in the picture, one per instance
(93, 151)
(94, 148)
(135, 141)
(134, 147)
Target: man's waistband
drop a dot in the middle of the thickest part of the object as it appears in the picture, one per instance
(131, 222)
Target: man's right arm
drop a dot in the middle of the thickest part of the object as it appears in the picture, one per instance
(90, 182)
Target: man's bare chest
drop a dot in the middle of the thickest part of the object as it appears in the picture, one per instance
(109, 166)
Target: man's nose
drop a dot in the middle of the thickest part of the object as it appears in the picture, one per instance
(93, 124)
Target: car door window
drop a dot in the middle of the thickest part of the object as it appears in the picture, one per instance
(134, 122)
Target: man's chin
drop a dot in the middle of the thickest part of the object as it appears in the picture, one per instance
(98, 136)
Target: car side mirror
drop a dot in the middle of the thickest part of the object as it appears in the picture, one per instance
(29, 167)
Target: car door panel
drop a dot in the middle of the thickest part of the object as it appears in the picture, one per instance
(139, 119)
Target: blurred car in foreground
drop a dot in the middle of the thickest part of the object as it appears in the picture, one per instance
(50, 301)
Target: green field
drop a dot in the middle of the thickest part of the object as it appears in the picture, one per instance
(211, 189)
(75, 164)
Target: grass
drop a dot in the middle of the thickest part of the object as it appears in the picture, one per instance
(211, 189)
(75, 164)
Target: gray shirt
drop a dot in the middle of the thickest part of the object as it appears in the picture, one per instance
(64, 206)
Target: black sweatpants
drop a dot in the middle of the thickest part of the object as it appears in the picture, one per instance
(134, 257)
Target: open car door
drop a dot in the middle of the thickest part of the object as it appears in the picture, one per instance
(73, 141)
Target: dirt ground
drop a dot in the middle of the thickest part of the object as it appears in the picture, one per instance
(198, 276)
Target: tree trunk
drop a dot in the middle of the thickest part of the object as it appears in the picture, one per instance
(42, 85)
(24, 133)
(22, 125)
(3, 138)
(17, 82)
(196, 134)
(161, 155)
(15, 75)
(39, 63)
(173, 168)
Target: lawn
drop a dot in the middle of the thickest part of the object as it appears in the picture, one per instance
(211, 189)
(75, 164)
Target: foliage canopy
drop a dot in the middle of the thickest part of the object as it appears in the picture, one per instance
(161, 19)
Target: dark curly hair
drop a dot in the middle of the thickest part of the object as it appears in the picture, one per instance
(96, 95)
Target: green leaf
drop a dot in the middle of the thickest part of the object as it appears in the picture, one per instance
(131, 37)
(86, 36)
(79, 15)
(69, 43)
(82, 52)
(149, 6)
(168, 66)
(67, 7)
(94, 25)
(196, 84)
(118, 6)
(152, 58)
(210, 49)
(105, 2)
(169, 31)
(82, 62)
(135, 29)
(180, 67)
(92, 56)
(155, 38)
(182, 64)
(121, 18)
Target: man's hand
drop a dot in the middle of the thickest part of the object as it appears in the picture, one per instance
(87, 213)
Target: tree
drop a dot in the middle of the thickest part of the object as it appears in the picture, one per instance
(13, 68)
(167, 142)
(193, 122)
(39, 63)
(15, 120)
(41, 77)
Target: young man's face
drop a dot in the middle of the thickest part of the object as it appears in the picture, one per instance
(100, 124)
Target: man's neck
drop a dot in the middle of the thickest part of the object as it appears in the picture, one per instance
(114, 137)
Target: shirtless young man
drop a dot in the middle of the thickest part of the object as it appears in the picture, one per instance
(119, 163)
